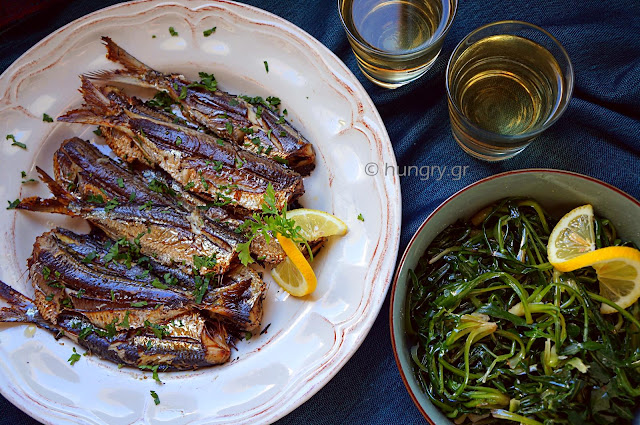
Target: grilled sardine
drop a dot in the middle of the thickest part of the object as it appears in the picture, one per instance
(249, 122)
(185, 342)
(215, 169)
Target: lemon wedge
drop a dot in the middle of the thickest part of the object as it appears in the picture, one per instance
(294, 274)
(572, 237)
(572, 246)
(618, 270)
(315, 224)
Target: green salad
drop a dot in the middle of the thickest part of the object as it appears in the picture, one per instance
(501, 336)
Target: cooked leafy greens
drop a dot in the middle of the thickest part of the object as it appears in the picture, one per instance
(500, 336)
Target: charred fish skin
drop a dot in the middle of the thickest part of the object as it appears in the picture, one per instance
(211, 167)
(86, 171)
(89, 173)
(186, 342)
(73, 272)
(255, 127)
(174, 236)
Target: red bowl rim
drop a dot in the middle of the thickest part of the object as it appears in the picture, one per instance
(424, 223)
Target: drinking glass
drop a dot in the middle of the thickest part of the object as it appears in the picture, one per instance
(396, 41)
(506, 83)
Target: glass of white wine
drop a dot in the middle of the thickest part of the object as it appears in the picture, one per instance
(396, 41)
(506, 82)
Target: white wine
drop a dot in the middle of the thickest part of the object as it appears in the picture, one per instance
(396, 41)
(506, 84)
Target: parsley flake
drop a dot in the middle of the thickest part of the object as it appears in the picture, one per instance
(360, 217)
(154, 395)
(15, 142)
(266, 66)
(46, 118)
(208, 32)
(75, 357)
(173, 32)
(13, 204)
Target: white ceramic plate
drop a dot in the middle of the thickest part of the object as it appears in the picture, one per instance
(309, 339)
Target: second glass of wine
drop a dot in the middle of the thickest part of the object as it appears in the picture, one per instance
(506, 82)
(396, 41)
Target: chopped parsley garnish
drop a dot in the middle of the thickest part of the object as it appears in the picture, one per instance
(204, 183)
(120, 182)
(229, 127)
(113, 296)
(183, 93)
(218, 165)
(178, 141)
(143, 275)
(170, 279)
(26, 181)
(160, 187)
(111, 205)
(280, 120)
(146, 205)
(207, 33)
(159, 331)
(153, 369)
(161, 100)
(270, 222)
(125, 321)
(266, 66)
(49, 297)
(220, 142)
(173, 32)
(269, 134)
(75, 357)
(189, 186)
(248, 335)
(80, 293)
(132, 197)
(15, 142)
(95, 199)
(280, 160)
(85, 332)
(283, 133)
(154, 395)
(157, 284)
(139, 304)
(89, 257)
(97, 131)
(360, 217)
(207, 262)
(46, 118)
(259, 110)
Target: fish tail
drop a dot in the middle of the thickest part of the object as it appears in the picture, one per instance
(121, 76)
(21, 309)
(60, 204)
(99, 109)
(118, 54)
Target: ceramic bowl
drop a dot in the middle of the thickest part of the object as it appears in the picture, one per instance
(557, 191)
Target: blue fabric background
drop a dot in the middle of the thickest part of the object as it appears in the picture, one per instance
(599, 135)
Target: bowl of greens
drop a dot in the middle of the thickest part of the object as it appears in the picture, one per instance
(486, 330)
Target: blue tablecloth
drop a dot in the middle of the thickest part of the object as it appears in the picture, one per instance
(599, 135)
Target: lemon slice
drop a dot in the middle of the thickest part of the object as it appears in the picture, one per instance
(294, 274)
(572, 237)
(618, 269)
(316, 224)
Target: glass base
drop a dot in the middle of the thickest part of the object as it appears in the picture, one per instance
(486, 152)
(398, 78)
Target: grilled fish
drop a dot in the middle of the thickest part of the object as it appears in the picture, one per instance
(249, 122)
(172, 236)
(84, 273)
(88, 173)
(185, 342)
(214, 168)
